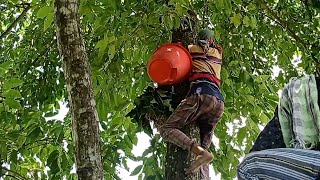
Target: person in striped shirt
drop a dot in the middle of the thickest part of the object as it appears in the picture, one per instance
(204, 104)
(288, 147)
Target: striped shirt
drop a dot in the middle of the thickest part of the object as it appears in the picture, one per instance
(281, 164)
(205, 73)
(205, 65)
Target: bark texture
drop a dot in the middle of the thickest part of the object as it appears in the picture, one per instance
(177, 159)
(85, 129)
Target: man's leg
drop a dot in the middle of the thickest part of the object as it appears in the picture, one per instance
(171, 129)
(207, 123)
(282, 163)
(186, 113)
(209, 120)
(212, 111)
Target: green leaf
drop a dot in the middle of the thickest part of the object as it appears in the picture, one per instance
(264, 118)
(241, 135)
(52, 161)
(102, 44)
(253, 22)
(176, 22)
(115, 123)
(111, 51)
(12, 93)
(228, 7)
(13, 156)
(237, 1)
(146, 152)
(250, 43)
(219, 4)
(128, 142)
(13, 135)
(168, 22)
(13, 83)
(134, 139)
(12, 103)
(136, 170)
(2, 71)
(47, 23)
(6, 65)
(122, 106)
(246, 21)
(103, 125)
(43, 12)
(20, 141)
(34, 133)
(125, 165)
(234, 63)
(251, 99)
(264, 77)
(251, 7)
(236, 19)
(27, 165)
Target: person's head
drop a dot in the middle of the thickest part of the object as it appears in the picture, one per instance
(206, 35)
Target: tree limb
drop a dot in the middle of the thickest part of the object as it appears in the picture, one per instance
(6, 32)
(23, 5)
(13, 172)
(11, 176)
(285, 25)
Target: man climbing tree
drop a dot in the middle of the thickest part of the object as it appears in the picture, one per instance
(79, 85)
(203, 105)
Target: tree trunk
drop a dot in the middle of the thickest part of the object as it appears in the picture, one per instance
(177, 159)
(85, 127)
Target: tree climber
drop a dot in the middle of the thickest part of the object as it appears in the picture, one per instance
(204, 103)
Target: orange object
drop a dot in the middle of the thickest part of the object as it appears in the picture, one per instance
(169, 64)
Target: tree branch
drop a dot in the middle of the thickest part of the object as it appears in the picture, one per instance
(23, 5)
(285, 25)
(282, 23)
(13, 172)
(6, 32)
(11, 176)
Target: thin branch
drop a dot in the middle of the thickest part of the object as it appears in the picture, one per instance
(23, 5)
(13, 172)
(11, 176)
(6, 32)
(285, 25)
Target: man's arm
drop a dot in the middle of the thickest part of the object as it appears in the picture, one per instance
(219, 48)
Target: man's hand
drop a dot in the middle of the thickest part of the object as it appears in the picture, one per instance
(219, 48)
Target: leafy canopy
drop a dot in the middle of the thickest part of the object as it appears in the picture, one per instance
(120, 36)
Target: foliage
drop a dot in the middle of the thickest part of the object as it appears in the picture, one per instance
(120, 37)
